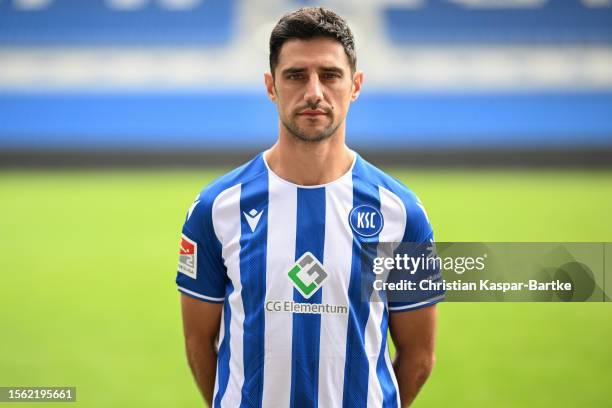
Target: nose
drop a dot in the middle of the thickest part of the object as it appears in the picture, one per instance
(314, 92)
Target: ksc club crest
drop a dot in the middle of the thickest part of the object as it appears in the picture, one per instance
(366, 220)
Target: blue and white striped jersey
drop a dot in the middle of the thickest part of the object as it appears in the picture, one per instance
(285, 261)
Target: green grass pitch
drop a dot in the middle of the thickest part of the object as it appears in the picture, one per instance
(87, 296)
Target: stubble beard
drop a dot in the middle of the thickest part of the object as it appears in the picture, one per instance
(299, 134)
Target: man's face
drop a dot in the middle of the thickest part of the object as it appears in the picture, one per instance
(313, 87)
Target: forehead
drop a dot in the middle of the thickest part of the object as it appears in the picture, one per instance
(312, 53)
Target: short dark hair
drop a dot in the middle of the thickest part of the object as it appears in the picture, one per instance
(312, 22)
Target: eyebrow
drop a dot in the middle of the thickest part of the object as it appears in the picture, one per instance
(297, 70)
(293, 70)
(333, 69)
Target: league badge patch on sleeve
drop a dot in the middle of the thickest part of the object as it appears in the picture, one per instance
(188, 257)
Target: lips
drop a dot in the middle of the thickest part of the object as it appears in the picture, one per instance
(309, 112)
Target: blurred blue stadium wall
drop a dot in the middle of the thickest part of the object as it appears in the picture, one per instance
(187, 74)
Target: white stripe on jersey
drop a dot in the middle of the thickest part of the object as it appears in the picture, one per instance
(392, 208)
(398, 238)
(280, 254)
(337, 252)
(372, 346)
(225, 212)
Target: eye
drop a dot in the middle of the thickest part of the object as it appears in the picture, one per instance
(331, 75)
(295, 77)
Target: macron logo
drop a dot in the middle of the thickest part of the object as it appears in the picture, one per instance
(252, 218)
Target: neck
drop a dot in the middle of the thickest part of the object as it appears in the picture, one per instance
(310, 164)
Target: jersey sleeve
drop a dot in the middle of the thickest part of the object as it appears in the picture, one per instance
(420, 233)
(418, 228)
(201, 271)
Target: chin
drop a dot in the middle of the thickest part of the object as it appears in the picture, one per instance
(319, 137)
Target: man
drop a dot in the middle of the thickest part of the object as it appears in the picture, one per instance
(269, 268)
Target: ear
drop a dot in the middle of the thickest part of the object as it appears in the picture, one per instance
(269, 81)
(357, 83)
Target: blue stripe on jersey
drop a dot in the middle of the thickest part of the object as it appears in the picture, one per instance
(389, 391)
(356, 366)
(310, 237)
(224, 350)
(253, 247)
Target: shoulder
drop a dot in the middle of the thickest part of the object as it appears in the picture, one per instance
(221, 192)
(251, 170)
(366, 172)
(396, 199)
